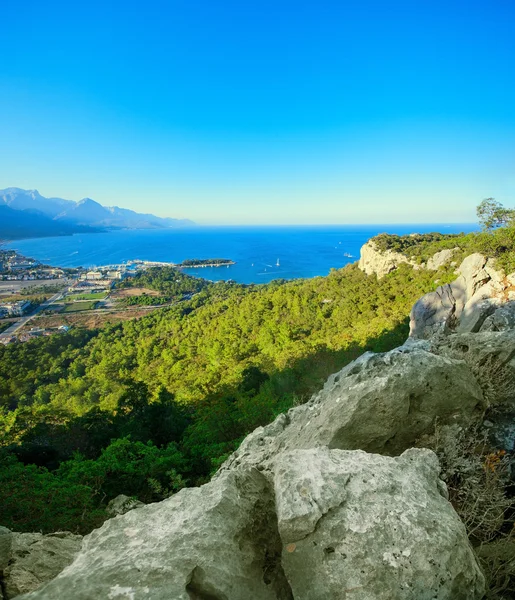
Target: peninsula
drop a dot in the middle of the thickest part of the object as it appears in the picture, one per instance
(208, 262)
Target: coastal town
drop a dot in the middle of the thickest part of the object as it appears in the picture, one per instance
(39, 300)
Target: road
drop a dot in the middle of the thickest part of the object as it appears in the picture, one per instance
(24, 320)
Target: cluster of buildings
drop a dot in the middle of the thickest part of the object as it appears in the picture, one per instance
(35, 332)
(102, 274)
(14, 309)
(15, 267)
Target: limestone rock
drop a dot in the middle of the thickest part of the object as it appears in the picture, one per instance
(440, 259)
(378, 403)
(501, 431)
(333, 520)
(436, 312)
(379, 262)
(219, 541)
(474, 273)
(501, 319)
(371, 528)
(37, 559)
(6, 539)
(122, 504)
(462, 305)
(490, 356)
(476, 311)
(384, 402)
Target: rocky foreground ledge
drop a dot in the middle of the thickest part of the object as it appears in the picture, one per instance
(331, 501)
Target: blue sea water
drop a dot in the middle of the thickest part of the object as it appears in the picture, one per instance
(261, 253)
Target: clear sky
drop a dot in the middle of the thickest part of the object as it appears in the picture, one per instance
(277, 111)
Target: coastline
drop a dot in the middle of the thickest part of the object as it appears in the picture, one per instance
(303, 251)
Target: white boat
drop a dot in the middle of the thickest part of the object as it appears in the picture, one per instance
(277, 263)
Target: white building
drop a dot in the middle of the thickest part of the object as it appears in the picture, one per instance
(17, 309)
(94, 275)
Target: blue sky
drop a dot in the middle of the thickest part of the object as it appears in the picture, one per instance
(262, 112)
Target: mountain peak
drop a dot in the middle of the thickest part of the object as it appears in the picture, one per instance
(88, 201)
(85, 212)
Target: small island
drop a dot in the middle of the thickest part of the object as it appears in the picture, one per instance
(207, 262)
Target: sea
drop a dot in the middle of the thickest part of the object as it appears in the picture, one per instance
(261, 254)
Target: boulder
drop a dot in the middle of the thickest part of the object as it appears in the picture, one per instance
(475, 313)
(122, 504)
(501, 319)
(490, 356)
(6, 540)
(371, 528)
(440, 259)
(475, 273)
(378, 403)
(37, 559)
(385, 402)
(379, 262)
(462, 305)
(311, 525)
(218, 541)
(437, 311)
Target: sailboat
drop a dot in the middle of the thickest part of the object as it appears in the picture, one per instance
(277, 263)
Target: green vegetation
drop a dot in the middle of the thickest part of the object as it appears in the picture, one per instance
(492, 214)
(495, 240)
(150, 405)
(197, 262)
(412, 244)
(46, 289)
(4, 325)
(146, 300)
(91, 296)
(167, 280)
(71, 307)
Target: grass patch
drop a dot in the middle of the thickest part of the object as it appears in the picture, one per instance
(79, 306)
(91, 296)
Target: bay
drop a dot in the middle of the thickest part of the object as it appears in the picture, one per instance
(261, 253)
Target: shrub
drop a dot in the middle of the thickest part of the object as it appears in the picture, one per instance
(477, 477)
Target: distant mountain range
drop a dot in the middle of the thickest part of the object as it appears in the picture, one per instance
(26, 213)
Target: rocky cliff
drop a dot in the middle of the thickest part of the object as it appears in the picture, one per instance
(480, 299)
(331, 500)
(381, 262)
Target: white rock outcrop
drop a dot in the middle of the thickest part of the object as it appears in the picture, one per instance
(218, 541)
(36, 559)
(372, 260)
(440, 259)
(315, 525)
(378, 403)
(490, 357)
(122, 504)
(381, 262)
(357, 525)
(462, 305)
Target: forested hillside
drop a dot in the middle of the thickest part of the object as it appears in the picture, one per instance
(154, 404)
(151, 405)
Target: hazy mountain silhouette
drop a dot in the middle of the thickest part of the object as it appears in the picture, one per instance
(30, 214)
